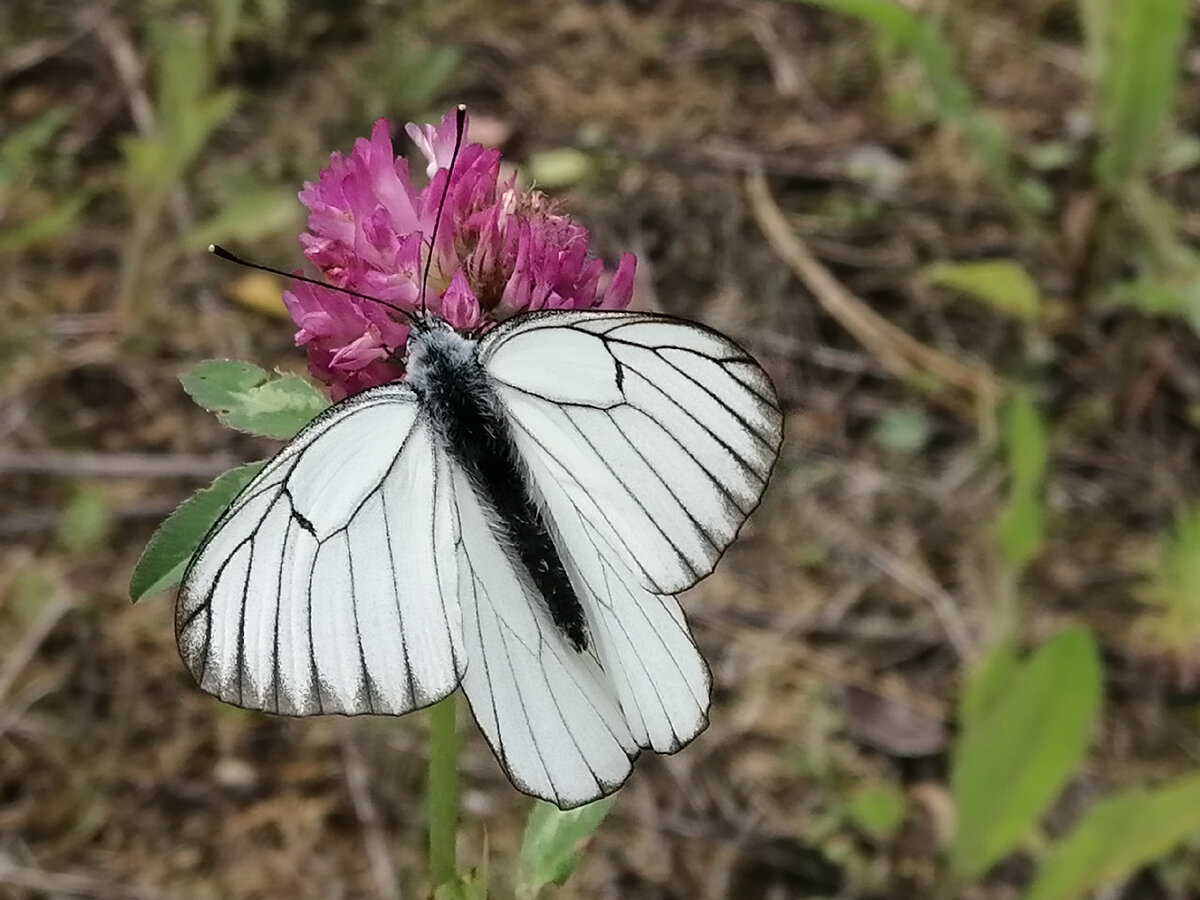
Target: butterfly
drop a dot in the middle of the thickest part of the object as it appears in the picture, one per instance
(515, 518)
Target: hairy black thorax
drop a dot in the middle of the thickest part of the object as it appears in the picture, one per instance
(466, 415)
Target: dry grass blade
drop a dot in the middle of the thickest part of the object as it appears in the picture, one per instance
(19, 656)
(896, 350)
(944, 606)
(65, 884)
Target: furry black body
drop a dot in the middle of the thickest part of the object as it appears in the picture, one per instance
(456, 393)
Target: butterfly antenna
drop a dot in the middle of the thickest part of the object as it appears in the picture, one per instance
(460, 126)
(222, 253)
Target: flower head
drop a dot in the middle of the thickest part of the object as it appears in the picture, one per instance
(498, 251)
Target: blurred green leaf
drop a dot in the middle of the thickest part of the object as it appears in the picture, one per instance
(86, 521)
(23, 155)
(249, 217)
(905, 429)
(1020, 529)
(405, 72)
(878, 808)
(550, 847)
(30, 590)
(1014, 757)
(1134, 48)
(1180, 154)
(1176, 293)
(249, 399)
(1172, 589)
(44, 227)
(186, 113)
(165, 558)
(558, 168)
(1117, 836)
(23, 147)
(1002, 284)
(469, 886)
(986, 682)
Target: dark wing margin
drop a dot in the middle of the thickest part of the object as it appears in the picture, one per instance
(329, 584)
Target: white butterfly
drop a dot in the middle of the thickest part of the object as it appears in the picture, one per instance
(515, 517)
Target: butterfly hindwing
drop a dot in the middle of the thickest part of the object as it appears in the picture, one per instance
(641, 639)
(548, 711)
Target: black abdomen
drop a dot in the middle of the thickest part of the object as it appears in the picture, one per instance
(457, 393)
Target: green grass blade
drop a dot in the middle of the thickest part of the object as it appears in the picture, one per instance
(1138, 84)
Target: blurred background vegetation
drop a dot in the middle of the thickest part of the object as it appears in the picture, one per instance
(957, 651)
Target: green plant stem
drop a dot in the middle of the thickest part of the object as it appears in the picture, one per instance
(443, 791)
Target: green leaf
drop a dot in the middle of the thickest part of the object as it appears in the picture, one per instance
(1020, 529)
(1138, 44)
(1002, 284)
(1174, 293)
(905, 429)
(558, 168)
(986, 683)
(466, 886)
(878, 808)
(1119, 835)
(247, 398)
(86, 521)
(1026, 438)
(172, 546)
(550, 847)
(1014, 757)
(22, 148)
(1171, 590)
(249, 217)
(46, 226)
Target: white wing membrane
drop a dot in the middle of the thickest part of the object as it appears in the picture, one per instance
(329, 583)
(662, 432)
(642, 639)
(549, 712)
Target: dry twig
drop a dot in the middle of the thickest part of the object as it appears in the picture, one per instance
(896, 350)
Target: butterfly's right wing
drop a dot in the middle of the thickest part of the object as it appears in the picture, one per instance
(329, 585)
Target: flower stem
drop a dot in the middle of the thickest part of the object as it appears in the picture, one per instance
(443, 791)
